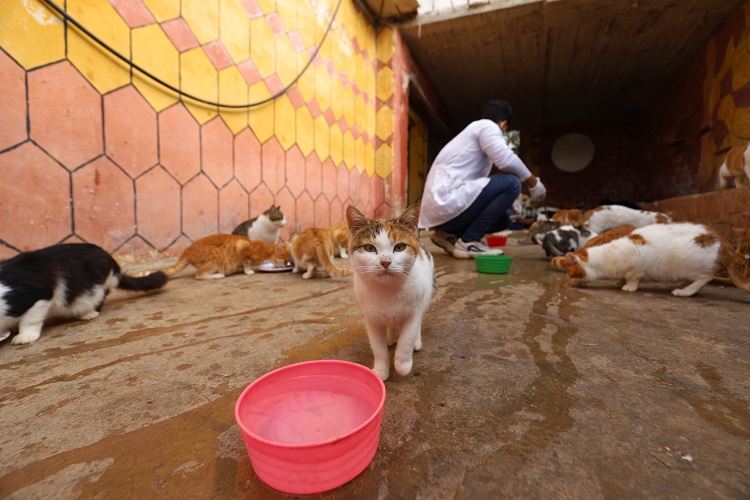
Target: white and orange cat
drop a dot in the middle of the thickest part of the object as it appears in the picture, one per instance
(735, 167)
(394, 280)
(313, 251)
(220, 255)
(661, 252)
(600, 239)
(569, 217)
(606, 217)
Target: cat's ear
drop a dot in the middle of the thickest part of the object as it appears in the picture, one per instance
(411, 216)
(355, 219)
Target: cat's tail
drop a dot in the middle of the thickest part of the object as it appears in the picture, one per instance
(735, 266)
(325, 259)
(142, 284)
(181, 264)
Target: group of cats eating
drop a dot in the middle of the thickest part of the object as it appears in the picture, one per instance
(391, 271)
(630, 245)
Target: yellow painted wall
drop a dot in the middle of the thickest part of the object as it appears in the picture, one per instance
(131, 142)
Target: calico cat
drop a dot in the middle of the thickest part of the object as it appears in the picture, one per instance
(313, 250)
(565, 239)
(220, 255)
(340, 232)
(394, 280)
(735, 167)
(661, 252)
(68, 280)
(595, 241)
(266, 227)
(607, 217)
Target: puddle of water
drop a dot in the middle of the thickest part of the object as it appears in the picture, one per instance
(492, 281)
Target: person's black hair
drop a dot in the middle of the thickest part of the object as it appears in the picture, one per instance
(497, 110)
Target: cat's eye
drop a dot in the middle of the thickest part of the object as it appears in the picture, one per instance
(400, 247)
(370, 248)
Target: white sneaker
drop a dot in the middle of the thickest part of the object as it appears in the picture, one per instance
(467, 250)
(444, 240)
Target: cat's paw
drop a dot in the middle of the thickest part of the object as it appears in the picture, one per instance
(307, 275)
(403, 366)
(25, 338)
(630, 287)
(89, 315)
(418, 345)
(249, 271)
(382, 373)
(682, 292)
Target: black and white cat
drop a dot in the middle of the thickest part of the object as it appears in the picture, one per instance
(68, 280)
(565, 239)
(266, 227)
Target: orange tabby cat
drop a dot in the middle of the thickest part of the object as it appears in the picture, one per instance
(340, 232)
(313, 249)
(743, 242)
(220, 255)
(742, 249)
(736, 166)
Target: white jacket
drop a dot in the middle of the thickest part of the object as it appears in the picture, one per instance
(461, 169)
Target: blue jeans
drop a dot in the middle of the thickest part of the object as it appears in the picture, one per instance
(489, 212)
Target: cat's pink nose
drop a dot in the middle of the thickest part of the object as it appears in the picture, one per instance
(385, 263)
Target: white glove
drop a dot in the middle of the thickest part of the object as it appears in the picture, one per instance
(516, 211)
(538, 192)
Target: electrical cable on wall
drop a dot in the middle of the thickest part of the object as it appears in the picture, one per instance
(182, 93)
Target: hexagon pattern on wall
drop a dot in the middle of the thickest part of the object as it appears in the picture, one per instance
(173, 169)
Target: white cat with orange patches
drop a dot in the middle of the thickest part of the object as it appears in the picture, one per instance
(660, 252)
(394, 280)
(735, 168)
(606, 217)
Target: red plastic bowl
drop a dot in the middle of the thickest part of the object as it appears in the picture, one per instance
(313, 426)
(497, 241)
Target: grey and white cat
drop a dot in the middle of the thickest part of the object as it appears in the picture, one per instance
(266, 227)
(394, 280)
(565, 239)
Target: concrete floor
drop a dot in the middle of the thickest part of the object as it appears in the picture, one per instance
(524, 388)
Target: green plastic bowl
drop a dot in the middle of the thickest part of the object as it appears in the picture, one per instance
(493, 264)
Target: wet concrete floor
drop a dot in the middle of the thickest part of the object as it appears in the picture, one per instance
(525, 388)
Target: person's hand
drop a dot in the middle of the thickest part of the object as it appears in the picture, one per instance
(537, 191)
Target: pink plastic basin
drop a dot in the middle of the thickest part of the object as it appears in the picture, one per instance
(311, 427)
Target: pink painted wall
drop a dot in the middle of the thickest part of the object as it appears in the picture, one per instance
(88, 160)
